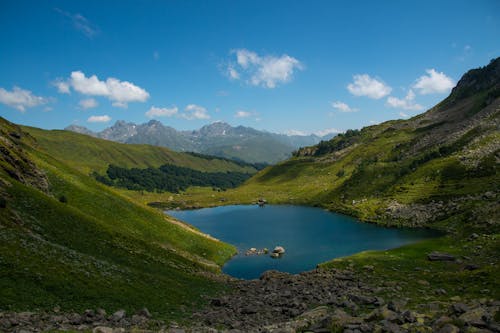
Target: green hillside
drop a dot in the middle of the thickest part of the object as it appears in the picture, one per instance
(87, 154)
(67, 240)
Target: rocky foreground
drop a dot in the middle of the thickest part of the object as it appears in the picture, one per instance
(331, 300)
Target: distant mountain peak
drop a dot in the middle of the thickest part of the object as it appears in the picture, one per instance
(218, 138)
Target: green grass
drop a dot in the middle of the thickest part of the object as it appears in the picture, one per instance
(420, 278)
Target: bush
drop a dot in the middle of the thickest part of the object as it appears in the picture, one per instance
(3, 202)
(63, 199)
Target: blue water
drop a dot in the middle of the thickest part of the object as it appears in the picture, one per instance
(309, 235)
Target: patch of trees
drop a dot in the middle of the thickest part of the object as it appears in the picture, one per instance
(257, 166)
(168, 178)
(341, 141)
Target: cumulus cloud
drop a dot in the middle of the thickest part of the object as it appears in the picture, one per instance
(119, 92)
(265, 71)
(406, 103)
(243, 114)
(327, 131)
(433, 82)
(343, 107)
(364, 85)
(88, 103)
(403, 115)
(20, 99)
(161, 112)
(193, 111)
(80, 23)
(99, 119)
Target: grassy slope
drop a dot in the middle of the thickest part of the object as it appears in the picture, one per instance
(98, 249)
(89, 154)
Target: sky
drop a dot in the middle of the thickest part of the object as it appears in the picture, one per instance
(295, 67)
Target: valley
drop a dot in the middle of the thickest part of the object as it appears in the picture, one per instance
(76, 254)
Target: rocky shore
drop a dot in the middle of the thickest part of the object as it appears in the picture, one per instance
(337, 301)
(318, 301)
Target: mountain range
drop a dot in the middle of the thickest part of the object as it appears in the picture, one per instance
(218, 139)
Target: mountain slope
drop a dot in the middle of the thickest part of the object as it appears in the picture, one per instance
(219, 139)
(67, 240)
(89, 154)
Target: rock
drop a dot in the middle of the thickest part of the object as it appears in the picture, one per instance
(440, 256)
(101, 312)
(279, 250)
(475, 317)
(360, 299)
(382, 313)
(102, 329)
(471, 267)
(459, 308)
(449, 328)
(144, 312)
(118, 315)
(396, 305)
(75, 319)
(409, 316)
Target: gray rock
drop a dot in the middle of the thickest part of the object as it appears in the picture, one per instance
(440, 256)
(144, 312)
(459, 308)
(449, 328)
(118, 315)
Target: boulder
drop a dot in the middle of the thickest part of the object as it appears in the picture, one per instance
(118, 315)
(440, 256)
(279, 250)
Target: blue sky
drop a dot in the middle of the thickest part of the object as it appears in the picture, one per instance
(282, 66)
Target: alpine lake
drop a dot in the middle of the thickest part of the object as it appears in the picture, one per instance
(309, 236)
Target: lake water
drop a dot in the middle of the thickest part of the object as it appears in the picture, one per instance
(309, 235)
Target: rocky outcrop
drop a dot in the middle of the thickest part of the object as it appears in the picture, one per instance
(15, 161)
(97, 321)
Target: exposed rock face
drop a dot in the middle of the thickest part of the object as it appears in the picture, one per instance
(17, 163)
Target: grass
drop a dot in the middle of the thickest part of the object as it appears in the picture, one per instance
(419, 279)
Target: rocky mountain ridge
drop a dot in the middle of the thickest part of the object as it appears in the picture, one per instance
(218, 139)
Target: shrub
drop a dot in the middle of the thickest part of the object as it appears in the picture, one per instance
(63, 199)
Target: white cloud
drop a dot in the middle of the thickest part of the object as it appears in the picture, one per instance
(327, 131)
(81, 23)
(88, 103)
(433, 82)
(243, 114)
(99, 119)
(404, 115)
(406, 103)
(161, 112)
(343, 107)
(20, 99)
(292, 132)
(265, 71)
(233, 73)
(364, 85)
(119, 92)
(62, 86)
(318, 133)
(193, 111)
